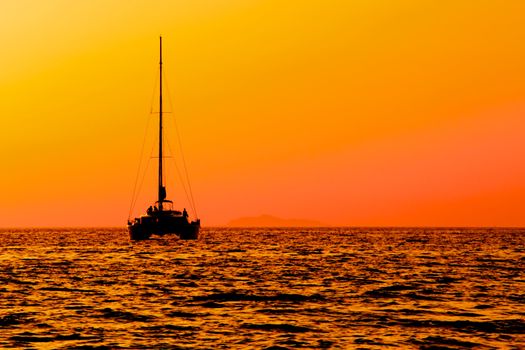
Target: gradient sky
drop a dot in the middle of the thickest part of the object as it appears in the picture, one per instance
(354, 112)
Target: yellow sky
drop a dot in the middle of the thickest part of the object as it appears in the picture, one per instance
(349, 112)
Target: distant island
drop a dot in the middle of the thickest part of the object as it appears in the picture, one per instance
(272, 221)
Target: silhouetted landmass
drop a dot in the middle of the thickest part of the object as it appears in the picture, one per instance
(272, 221)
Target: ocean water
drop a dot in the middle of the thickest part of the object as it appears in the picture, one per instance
(335, 288)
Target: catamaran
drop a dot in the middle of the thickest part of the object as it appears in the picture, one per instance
(161, 218)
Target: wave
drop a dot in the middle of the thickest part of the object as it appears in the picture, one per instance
(236, 296)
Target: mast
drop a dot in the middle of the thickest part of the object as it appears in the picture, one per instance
(162, 189)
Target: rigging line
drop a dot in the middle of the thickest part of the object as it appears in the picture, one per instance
(181, 150)
(141, 182)
(153, 93)
(133, 200)
(184, 164)
(166, 86)
(184, 185)
(184, 181)
(135, 194)
(143, 177)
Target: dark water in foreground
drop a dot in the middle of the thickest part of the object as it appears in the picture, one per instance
(264, 289)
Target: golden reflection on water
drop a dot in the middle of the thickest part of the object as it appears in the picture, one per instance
(263, 288)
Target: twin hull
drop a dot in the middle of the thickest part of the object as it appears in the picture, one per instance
(149, 225)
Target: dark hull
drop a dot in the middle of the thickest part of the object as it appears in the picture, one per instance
(144, 230)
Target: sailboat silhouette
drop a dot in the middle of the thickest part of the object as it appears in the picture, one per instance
(161, 218)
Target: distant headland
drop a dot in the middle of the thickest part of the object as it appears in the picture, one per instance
(272, 221)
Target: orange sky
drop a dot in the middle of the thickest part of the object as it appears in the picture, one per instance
(350, 112)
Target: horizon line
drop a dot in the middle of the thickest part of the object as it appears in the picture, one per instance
(250, 226)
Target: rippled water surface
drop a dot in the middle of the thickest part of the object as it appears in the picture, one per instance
(333, 288)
